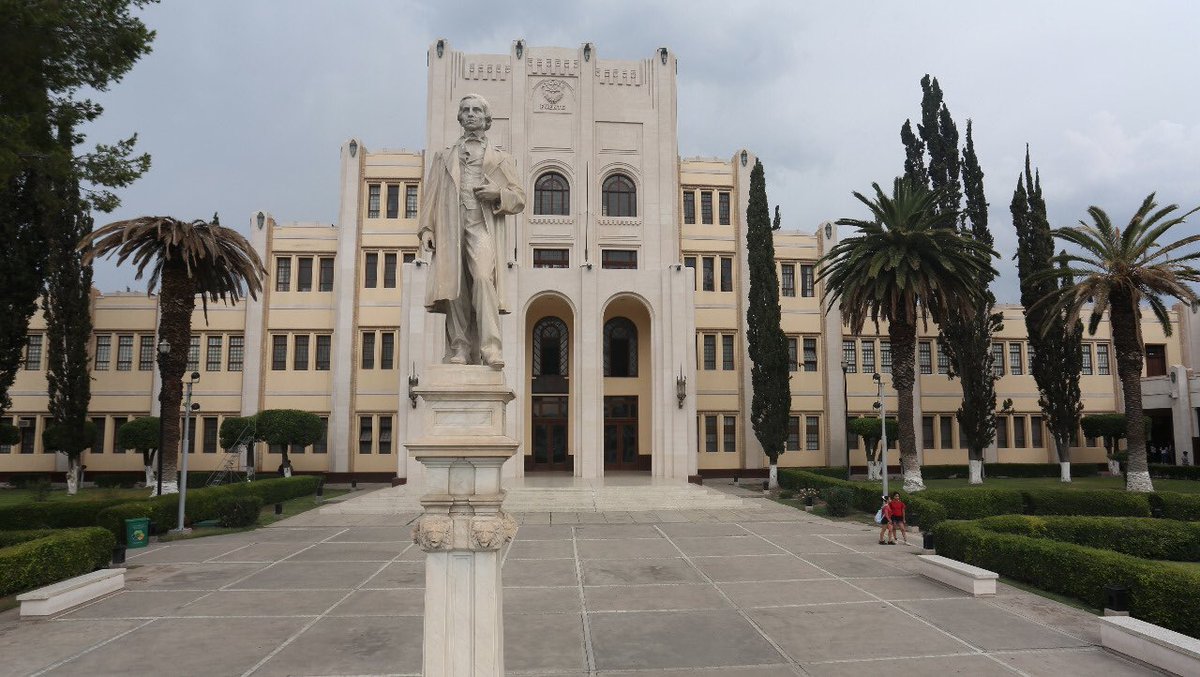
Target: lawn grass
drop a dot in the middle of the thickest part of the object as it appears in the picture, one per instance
(291, 508)
(58, 494)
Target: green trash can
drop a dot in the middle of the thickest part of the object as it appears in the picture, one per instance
(137, 532)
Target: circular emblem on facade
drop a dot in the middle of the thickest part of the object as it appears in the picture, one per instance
(553, 90)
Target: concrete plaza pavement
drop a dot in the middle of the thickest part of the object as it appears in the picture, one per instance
(763, 591)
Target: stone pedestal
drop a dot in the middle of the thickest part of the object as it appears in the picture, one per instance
(463, 529)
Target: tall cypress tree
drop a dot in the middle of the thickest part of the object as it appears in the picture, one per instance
(967, 339)
(769, 375)
(1056, 353)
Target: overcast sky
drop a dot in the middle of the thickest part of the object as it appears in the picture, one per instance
(243, 104)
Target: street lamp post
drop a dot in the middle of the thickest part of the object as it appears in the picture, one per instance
(188, 408)
(883, 430)
(846, 414)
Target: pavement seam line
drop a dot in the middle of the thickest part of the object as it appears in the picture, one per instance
(90, 649)
(225, 587)
(741, 612)
(589, 654)
(323, 614)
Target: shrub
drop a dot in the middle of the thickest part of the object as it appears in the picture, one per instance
(786, 495)
(238, 511)
(49, 557)
(122, 480)
(113, 518)
(838, 472)
(1160, 593)
(923, 512)
(1175, 472)
(1137, 536)
(866, 494)
(1177, 506)
(54, 515)
(942, 472)
(839, 501)
(976, 502)
(1076, 502)
(27, 480)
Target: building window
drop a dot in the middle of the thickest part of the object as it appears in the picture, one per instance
(927, 432)
(1102, 366)
(28, 427)
(304, 271)
(812, 433)
(385, 434)
(1002, 432)
(237, 353)
(193, 361)
(103, 351)
(389, 270)
(710, 433)
(323, 347)
(98, 441)
(726, 273)
(924, 357)
(393, 201)
(1086, 364)
(793, 353)
(885, 356)
(283, 273)
(410, 201)
(1014, 359)
(33, 352)
(551, 258)
(1029, 353)
(868, 355)
(810, 353)
(946, 423)
(1035, 431)
(618, 258)
(849, 356)
(325, 283)
(210, 435)
(371, 270)
(213, 356)
(787, 279)
(620, 348)
(689, 207)
(1019, 432)
(793, 438)
(807, 284)
(146, 352)
(998, 359)
(550, 340)
(278, 352)
(408, 257)
(943, 359)
(387, 350)
(124, 352)
(706, 212)
(707, 266)
(727, 352)
(373, 201)
(321, 446)
(619, 196)
(118, 421)
(368, 350)
(729, 443)
(723, 207)
(366, 434)
(300, 353)
(551, 195)
(710, 352)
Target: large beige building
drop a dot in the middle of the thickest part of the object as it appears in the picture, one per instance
(627, 280)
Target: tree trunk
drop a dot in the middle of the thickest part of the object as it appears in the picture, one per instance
(904, 339)
(1114, 467)
(1064, 471)
(1127, 344)
(177, 300)
(976, 467)
(1062, 449)
(72, 475)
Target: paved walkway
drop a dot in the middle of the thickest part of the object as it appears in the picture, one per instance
(768, 592)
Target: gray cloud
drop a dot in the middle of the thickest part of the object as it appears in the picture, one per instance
(244, 104)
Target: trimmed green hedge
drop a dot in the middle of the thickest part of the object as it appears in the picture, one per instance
(1177, 506)
(1137, 536)
(32, 559)
(1111, 502)
(944, 472)
(1175, 472)
(53, 514)
(867, 496)
(238, 511)
(977, 502)
(1160, 593)
(124, 480)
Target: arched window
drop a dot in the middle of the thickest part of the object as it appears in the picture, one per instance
(620, 347)
(619, 196)
(551, 195)
(550, 347)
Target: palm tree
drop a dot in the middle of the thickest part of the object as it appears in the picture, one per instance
(1117, 270)
(906, 264)
(186, 259)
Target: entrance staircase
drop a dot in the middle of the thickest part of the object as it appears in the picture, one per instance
(571, 496)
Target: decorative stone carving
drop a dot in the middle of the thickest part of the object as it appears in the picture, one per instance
(433, 532)
(492, 532)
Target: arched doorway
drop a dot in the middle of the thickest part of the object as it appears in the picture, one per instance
(549, 356)
(627, 387)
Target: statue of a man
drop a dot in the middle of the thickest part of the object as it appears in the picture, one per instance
(470, 190)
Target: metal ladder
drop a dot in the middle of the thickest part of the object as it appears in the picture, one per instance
(229, 466)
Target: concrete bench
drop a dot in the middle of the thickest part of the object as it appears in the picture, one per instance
(1152, 644)
(972, 579)
(71, 592)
